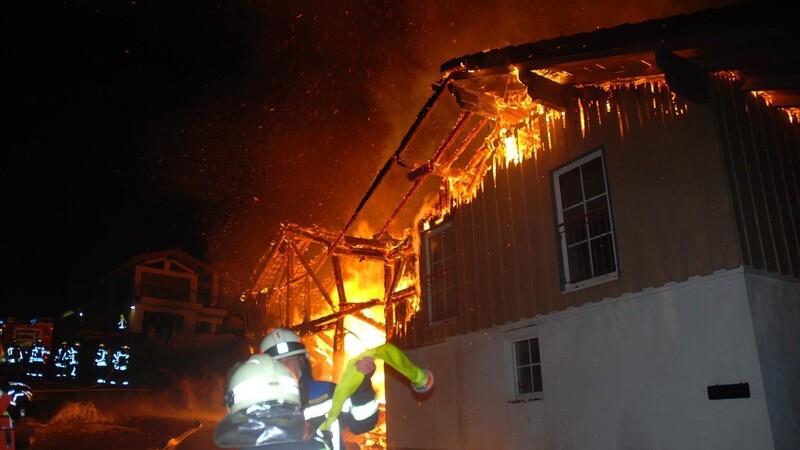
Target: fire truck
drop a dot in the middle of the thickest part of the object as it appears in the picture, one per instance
(26, 333)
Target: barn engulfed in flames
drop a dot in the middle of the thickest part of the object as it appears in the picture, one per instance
(354, 289)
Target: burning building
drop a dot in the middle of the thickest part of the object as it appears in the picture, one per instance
(592, 241)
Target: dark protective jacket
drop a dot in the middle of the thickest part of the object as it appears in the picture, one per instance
(287, 427)
(359, 413)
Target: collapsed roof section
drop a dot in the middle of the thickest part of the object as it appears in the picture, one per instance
(504, 101)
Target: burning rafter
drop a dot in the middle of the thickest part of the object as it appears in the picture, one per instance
(302, 259)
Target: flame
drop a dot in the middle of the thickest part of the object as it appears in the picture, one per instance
(523, 128)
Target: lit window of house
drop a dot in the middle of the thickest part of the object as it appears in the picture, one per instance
(585, 226)
(440, 283)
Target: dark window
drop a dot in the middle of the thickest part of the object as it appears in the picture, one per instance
(528, 366)
(585, 225)
(440, 276)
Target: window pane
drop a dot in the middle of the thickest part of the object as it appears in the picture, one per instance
(603, 255)
(537, 378)
(448, 243)
(523, 355)
(535, 350)
(570, 184)
(594, 182)
(574, 225)
(524, 385)
(579, 263)
(435, 249)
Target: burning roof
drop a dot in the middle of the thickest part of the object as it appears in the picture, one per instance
(508, 102)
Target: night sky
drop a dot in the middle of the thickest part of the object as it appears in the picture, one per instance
(202, 125)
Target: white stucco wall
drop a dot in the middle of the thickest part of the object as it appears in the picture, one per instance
(775, 303)
(625, 373)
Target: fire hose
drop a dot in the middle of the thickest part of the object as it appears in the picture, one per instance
(174, 442)
(421, 379)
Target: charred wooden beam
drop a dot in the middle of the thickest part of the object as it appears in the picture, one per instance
(684, 77)
(329, 321)
(337, 275)
(313, 276)
(437, 92)
(313, 325)
(542, 90)
(420, 172)
(445, 166)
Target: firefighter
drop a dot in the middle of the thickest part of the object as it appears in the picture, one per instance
(60, 360)
(38, 354)
(15, 357)
(101, 363)
(265, 409)
(120, 361)
(122, 324)
(359, 412)
(73, 361)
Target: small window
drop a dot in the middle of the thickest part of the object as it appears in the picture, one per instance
(585, 226)
(440, 279)
(524, 363)
(528, 369)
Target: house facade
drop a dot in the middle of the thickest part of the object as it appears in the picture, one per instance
(169, 296)
(627, 272)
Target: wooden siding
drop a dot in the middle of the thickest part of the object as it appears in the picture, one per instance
(677, 213)
(761, 147)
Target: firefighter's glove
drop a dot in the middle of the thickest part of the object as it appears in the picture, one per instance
(365, 392)
(366, 365)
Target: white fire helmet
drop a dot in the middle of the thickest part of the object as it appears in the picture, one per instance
(260, 379)
(281, 343)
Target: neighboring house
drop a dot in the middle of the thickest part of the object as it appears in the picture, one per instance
(609, 256)
(167, 295)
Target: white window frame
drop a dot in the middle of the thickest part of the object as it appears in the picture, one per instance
(564, 247)
(511, 339)
(430, 289)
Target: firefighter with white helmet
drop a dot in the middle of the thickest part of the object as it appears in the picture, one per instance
(120, 362)
(36, 360)
(264, 409)
(60, 360)
(73, 360)
(15, 358)
(101, 358)
(360, 411)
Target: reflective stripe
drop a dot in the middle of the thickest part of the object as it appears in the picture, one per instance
(361, 412)
(282, 348)
(336, 438)
(318, 410)
(336, 432)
